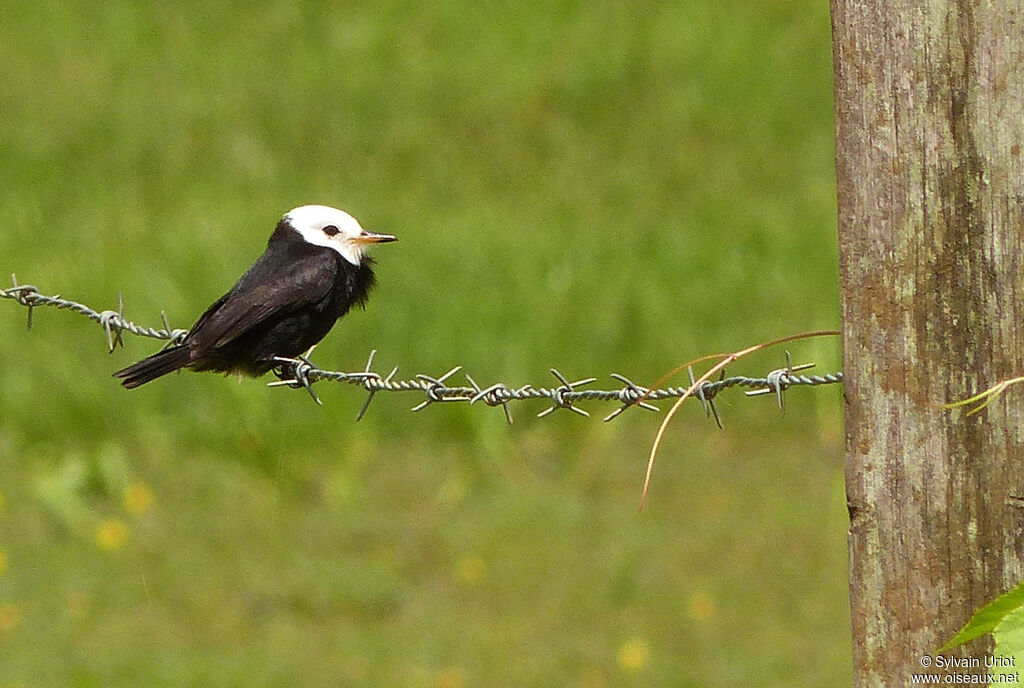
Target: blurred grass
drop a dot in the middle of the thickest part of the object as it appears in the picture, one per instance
(599, 188)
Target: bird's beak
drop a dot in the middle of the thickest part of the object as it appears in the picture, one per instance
(371, 238)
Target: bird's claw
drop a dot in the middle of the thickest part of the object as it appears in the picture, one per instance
(294, 373)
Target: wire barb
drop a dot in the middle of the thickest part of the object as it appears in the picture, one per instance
(370, 375)
(705, 394)
(436, 390)
(495, 395)
(300, 372)
(298, 369)
(630, 395)
(779, 380)
(561, 395)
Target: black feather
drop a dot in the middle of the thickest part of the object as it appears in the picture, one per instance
(166, 361)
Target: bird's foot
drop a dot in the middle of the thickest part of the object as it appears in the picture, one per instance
(294, 372)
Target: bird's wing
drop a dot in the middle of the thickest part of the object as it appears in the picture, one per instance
(268, 289)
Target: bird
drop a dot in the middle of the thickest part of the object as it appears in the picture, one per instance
(314, 269)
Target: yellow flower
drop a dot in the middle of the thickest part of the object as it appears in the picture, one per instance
(450, 677)
(111, 533)
(633, 654)
(10, 616)
(137, 499)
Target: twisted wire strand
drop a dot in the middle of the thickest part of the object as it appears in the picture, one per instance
(301, 373)
(113, 322)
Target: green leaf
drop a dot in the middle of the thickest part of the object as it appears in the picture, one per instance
(988, 617)
(1009, 651)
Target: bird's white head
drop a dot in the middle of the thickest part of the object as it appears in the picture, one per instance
(335, 229)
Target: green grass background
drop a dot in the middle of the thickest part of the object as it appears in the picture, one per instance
(612, 187)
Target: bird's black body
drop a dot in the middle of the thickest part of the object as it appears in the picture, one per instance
(284, 304)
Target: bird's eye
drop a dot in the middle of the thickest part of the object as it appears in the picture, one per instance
(330, 230)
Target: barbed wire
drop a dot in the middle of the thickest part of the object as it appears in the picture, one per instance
(299, 372)
(112, 321)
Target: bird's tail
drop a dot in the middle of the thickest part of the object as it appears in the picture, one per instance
(166, 361)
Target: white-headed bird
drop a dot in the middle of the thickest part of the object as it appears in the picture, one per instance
(314, 270)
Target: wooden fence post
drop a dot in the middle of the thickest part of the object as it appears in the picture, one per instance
(930, 170)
